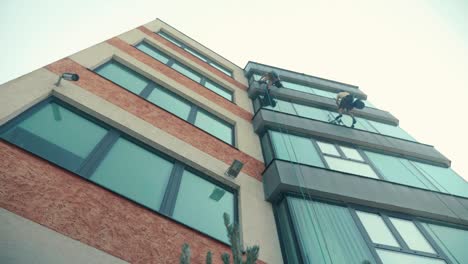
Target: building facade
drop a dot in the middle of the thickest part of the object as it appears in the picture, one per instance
(128, 163)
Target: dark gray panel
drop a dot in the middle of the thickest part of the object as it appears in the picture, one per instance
(320, 101)
(329, 85)
(265, 119)
(282, 177)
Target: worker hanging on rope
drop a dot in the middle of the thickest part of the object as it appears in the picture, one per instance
(346, 103)
(270, 79)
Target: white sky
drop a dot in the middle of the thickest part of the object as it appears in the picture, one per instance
(410, 57)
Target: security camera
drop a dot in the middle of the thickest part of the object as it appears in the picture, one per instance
(234, 169)
(69, 77)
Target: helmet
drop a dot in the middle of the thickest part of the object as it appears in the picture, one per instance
(358, 104)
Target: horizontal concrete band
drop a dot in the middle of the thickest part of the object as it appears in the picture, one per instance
(265, 119)
(201, 63)
(322, 102)
(329, 85)
(285, 177)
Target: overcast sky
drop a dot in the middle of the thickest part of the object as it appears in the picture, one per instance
(409, 56)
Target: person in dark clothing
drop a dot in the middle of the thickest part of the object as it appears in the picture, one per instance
(346, 103)
(270, 79)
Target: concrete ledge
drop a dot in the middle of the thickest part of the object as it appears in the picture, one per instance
(265, 119)
(329, 85)
(283, 177)
(319, 101)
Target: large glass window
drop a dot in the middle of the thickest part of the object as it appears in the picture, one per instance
(214, 126)
(196, 53)
(411, 235)
(123, 76)
(134, 172)
(201, 204)
(184, 70)
(419, 174)
(74, 141)
(326, 233)
(295, 148)
(326, 116)
(349, 166)
(56, 134)
(377, 229)
(172, 103)
(452, 241)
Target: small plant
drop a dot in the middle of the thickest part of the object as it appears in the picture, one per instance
(234, 238)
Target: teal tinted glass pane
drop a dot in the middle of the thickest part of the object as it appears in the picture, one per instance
(445, 179)
(451, 241)
(282, 106)
(150, 50)
(412, 236)
(171, 39)
(134, 172)
(257, 77)
(58, 135)
(295, 148)
(297, 87)
(214, 126)
(351, 153)
(286, 234)
(377, 229)
(324, 93)
(195, 53)
(220, 68)
(350, 167)
(170, 102)
(392, 257)
(369, 104)
(312, 112)
(328, 148)
(399, 170)
(364, 125)
(327, 233)
(390, 130)
(218, 89)
(201, 205)
(188, 73)
(123, 76)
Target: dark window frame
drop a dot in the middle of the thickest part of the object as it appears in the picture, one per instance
(173, 61)
(101, 150)
(185, 47)
(145, 93)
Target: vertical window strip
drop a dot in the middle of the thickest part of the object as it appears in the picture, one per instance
(108, 159)
(184, 70)
(167, 100)
(195, 53)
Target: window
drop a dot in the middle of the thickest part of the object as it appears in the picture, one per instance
(56, 134)
(326, 116)
(312, 231)
(295, 148)
(325, 233)
(169, 101)
(74, 141)
(184, 70)
(412, 245)
(196, 53)
(418, 174)
(201, 204)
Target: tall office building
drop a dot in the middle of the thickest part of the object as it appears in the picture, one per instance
(128, 163)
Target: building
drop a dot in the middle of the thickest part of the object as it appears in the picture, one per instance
(128, 163)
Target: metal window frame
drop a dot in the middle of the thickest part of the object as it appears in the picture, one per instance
(146, 92)
(205, 59)
(384, 214)
(173, 61)
(101, 150)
